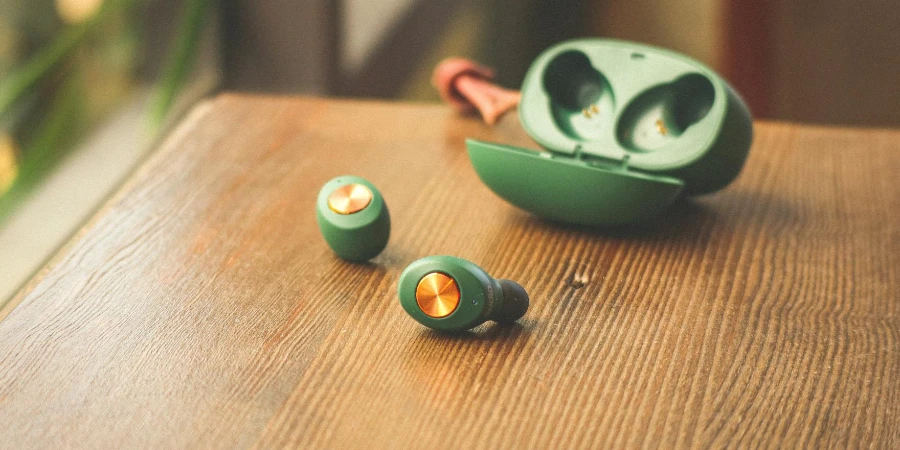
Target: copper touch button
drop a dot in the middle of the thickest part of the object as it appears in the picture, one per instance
(437, 295)
(350, 198)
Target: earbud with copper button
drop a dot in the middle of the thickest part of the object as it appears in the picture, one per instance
(447, 293)
(353, 218)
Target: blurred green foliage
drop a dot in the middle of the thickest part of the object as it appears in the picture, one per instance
(58, 79)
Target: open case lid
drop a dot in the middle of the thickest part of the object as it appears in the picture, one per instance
(626, 128)
(569, 190)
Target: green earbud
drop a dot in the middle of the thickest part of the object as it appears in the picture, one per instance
(353, 218)
(447, 293)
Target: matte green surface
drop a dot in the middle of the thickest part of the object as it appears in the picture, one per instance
(568, 190)
(480, 295)
(622, 121)
(355, 237)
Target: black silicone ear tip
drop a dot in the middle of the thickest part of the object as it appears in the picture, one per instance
(515, 302)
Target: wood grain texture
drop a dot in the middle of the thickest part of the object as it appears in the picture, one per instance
(201, 308)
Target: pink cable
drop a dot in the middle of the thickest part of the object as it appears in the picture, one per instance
(466, 86)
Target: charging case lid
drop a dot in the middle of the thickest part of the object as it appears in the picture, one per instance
(568, 190)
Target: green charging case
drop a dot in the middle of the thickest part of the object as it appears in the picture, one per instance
(625, 128)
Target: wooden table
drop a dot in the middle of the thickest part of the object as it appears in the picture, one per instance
(201, 307)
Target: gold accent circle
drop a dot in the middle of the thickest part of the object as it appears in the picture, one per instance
(437, 295)
(350, 198)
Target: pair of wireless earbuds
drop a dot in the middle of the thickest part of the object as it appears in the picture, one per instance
(444, 293)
